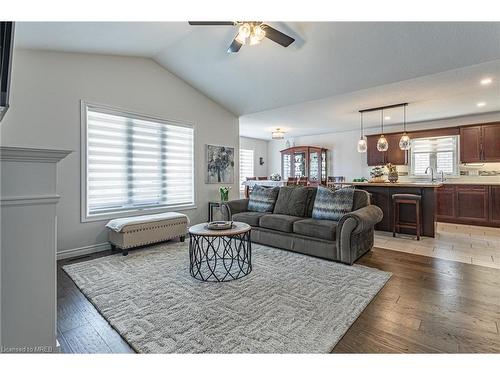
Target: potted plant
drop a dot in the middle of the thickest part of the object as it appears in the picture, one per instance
(224, 193)
(377, 174)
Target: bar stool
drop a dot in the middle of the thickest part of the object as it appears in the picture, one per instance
(398, 199)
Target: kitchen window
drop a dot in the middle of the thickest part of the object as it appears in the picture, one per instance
(132, 162)
(440, 153)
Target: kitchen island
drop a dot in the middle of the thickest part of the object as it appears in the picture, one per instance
(381, 196)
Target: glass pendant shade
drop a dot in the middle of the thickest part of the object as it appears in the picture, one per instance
(382, 144)
(404, 142)
(362, 147)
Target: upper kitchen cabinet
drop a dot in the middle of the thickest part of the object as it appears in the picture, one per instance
(491, 142)
(374, 157)
(393, 155)
(480, 143)
(470, 144)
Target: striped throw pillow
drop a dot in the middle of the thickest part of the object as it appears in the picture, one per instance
(262, 199)
(332, 205)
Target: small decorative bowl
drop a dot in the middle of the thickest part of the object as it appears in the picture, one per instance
(219, 225)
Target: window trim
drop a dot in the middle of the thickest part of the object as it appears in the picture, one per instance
(436, 173)
(84, 217)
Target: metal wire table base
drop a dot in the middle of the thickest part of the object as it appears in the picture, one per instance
(220, 258)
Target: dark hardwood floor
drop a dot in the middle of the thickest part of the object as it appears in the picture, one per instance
(428, 306)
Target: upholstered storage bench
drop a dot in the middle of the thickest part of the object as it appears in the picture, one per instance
(129, 232)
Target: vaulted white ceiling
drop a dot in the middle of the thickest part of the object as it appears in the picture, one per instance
(328, 60)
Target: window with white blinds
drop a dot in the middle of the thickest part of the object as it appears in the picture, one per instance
(246, 166)
(135, 162)
(440, 153)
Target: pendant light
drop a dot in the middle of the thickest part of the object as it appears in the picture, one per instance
(404, 142)
(382, 144)
(362, 147)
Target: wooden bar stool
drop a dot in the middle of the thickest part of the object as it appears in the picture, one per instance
(398, 199)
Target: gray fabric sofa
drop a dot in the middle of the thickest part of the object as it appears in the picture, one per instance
(345, 240)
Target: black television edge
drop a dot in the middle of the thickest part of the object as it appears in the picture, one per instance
(6, 46)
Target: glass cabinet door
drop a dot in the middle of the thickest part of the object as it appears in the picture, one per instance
(323, 167)
(286, 160)
(314, 165)
(299, 164)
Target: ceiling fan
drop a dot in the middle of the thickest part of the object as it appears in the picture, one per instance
(249, 33)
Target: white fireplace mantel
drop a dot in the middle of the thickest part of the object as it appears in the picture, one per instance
(28, 198)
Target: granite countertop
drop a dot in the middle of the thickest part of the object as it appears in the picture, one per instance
(446, 182)
(397, 184)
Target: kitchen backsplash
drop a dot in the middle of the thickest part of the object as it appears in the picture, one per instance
(487, 172)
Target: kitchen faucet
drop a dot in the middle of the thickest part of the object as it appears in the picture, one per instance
(442, 175)
(432, 172)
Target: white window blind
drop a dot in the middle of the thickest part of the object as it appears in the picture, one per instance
(440, 153)
(135, 162)
(246, 166)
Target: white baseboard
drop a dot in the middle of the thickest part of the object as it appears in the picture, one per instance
(84, 250)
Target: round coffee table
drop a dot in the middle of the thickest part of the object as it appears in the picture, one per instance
(220, 255)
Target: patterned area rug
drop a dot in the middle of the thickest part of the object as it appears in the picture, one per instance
(289, 303)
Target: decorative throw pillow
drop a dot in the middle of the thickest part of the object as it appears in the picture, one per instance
(291, 201)
(332, 205)
(262, 199)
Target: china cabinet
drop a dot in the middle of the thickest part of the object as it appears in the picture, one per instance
(305, 161)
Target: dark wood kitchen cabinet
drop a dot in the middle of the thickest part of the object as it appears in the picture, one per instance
(393, 155)
(490, 135)
(480, 143)
(469, 204)
(472, 203)
(374, 156)
(495, 204)
(445, 203)
(381, 198)
(470, 144)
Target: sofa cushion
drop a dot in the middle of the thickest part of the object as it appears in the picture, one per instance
(332, 205)
(282, 223)
(251, 218)
(311, 196)
(291, 201)
(262, 199)
(324, 229)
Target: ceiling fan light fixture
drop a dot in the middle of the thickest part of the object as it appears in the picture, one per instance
(258, 32)
(245, 30)
(240, 39)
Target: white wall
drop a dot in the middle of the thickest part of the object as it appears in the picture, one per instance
(45, 112)
(260, 150)
(343, 158)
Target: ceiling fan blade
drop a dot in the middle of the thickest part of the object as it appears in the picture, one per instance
(234, 47)
(211, 23)
(277, 36)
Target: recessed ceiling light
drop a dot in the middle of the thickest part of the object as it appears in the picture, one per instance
(387, 117)
(481, 104)
(486, 81)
